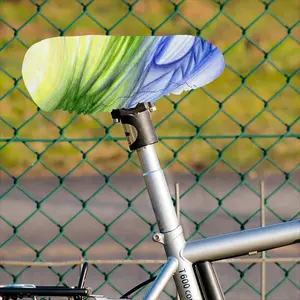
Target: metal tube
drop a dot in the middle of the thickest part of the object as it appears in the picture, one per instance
(158, 189)
(177, 197)
(185, 277)
(140, 262)
(171, 231)
(242, 243)
(209, 282)
(162, 279)
(263, 255)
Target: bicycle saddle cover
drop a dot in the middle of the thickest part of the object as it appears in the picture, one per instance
(94, 73)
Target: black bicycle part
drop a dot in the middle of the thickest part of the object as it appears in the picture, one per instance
(140, 118)
(19, 292)
(208, 281)
(137, 287)
(55, 291)
(83, 275)
(82, 278)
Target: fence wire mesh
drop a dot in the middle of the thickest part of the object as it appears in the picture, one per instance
(60, 173)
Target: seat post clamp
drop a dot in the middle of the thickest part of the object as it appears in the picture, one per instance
(137, 123)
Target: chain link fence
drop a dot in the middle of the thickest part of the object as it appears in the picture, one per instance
(70, 189)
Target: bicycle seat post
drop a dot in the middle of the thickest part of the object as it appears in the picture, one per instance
(141, 136)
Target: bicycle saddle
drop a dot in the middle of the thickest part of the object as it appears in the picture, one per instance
(94, 73)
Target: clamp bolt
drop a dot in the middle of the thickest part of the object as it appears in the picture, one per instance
(152, 108)
(158, 237)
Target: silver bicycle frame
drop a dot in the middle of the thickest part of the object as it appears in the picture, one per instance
(208, 249)
(200, 283)
(190, 263)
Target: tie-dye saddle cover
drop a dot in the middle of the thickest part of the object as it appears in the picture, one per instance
(94, 73)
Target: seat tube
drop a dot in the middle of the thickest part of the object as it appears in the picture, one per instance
(158, 189)
(171, 234)
(141, 136)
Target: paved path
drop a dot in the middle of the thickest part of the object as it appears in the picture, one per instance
(129, 229)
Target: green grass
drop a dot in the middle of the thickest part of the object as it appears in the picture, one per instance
(265, 57)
